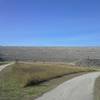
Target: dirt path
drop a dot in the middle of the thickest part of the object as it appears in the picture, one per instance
(3, 66)
(79, 88)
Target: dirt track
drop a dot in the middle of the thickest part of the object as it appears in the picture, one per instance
(3, 66)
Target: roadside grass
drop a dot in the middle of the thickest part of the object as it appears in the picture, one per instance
(3, 62)
(97, 89)
(20, 81)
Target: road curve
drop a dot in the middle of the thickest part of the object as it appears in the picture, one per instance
(79, 88)
(5, 65)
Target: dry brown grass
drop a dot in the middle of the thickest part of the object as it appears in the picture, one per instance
(15, 77)
(32, 74)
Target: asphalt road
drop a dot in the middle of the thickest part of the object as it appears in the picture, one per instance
(79, 88)
(3, 66)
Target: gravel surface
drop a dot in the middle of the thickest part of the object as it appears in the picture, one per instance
(3, 66)
(79, 88)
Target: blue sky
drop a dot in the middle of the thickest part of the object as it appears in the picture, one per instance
(50, 22)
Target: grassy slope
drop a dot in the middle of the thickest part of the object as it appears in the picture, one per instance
(15, 77)
(2, 63)
(97, 89)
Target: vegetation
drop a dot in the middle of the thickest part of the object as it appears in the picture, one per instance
(52, 54)
(15, 80)
(4, 62)
(97, 89)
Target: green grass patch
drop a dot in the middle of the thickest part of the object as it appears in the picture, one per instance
(14, 78)
(4, 62)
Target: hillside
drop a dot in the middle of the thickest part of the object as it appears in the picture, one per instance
(49, 54)
(89, 62)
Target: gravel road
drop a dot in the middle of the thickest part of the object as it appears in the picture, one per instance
(79, 88)
(3, 66)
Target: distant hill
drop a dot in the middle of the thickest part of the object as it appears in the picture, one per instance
(89, 62)
(50, 54)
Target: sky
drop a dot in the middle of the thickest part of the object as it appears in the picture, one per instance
(50, 22)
